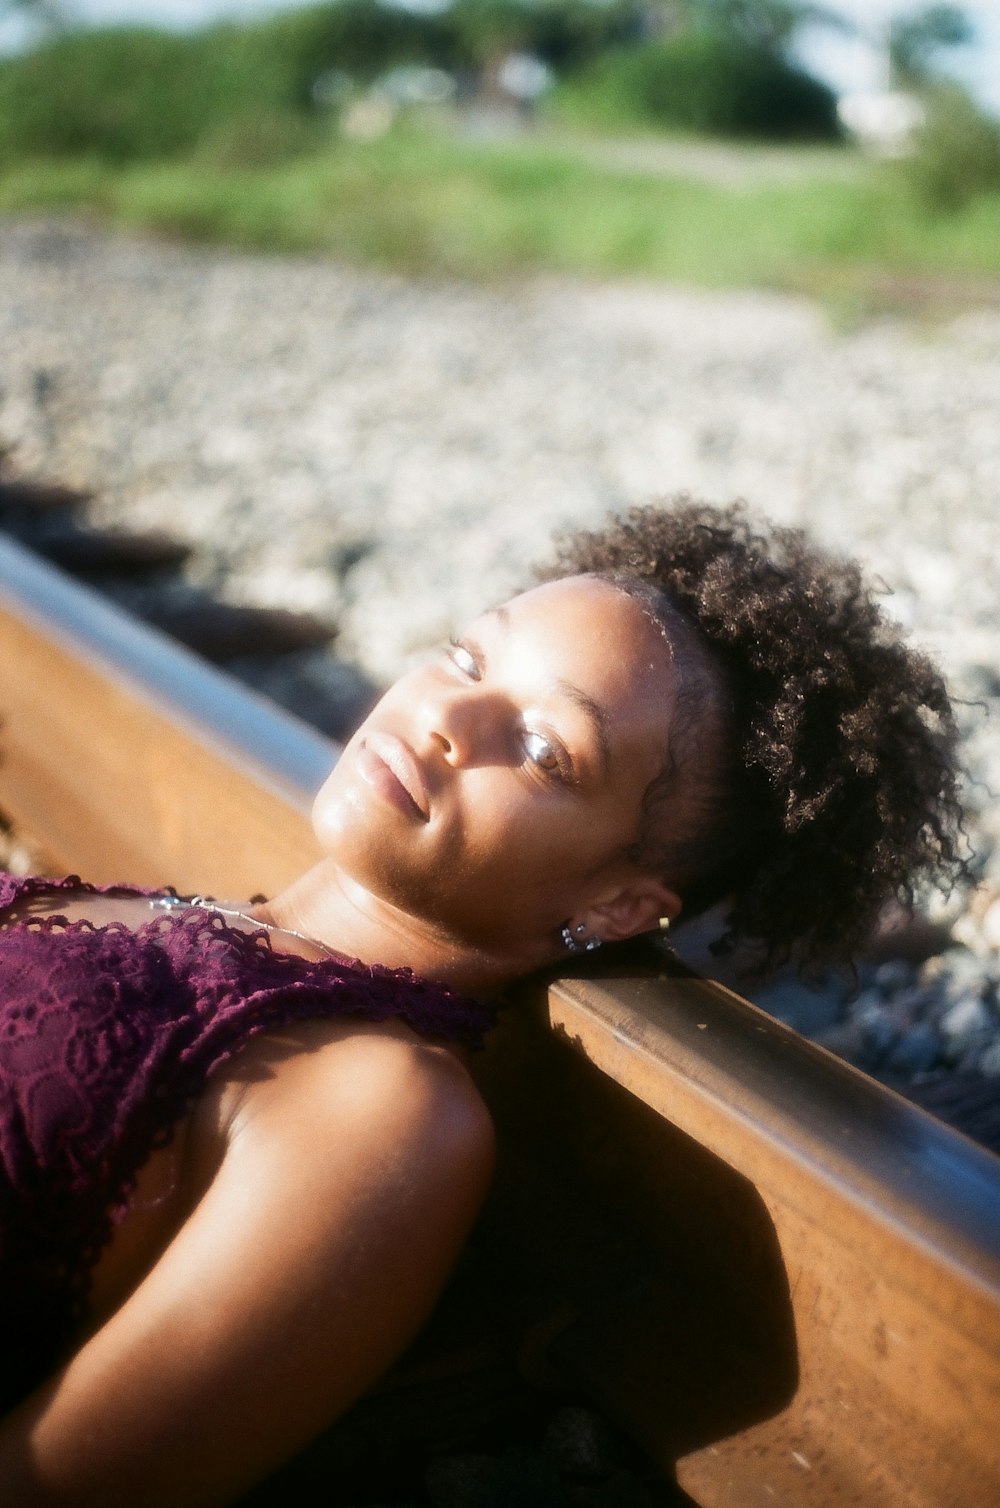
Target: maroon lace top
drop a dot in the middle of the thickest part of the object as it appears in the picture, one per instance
(106, 1036)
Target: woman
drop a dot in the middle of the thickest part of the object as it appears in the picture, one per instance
(238, 1166)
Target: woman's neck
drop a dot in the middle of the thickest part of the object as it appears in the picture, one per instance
(330, 907)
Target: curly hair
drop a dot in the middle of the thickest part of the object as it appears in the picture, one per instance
(813, 770)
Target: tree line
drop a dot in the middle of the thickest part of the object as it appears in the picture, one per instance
(720, 66)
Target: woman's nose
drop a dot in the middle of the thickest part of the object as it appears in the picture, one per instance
(456, 720)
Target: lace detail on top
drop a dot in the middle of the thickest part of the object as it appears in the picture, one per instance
(107, 1034)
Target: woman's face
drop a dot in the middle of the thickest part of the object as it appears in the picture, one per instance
(496, 790)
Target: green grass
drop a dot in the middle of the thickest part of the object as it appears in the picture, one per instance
(429, 204)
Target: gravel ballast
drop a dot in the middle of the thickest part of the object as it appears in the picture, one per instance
(392, 455)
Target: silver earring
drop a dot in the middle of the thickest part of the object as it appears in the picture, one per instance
(664, 924)
(571, 943)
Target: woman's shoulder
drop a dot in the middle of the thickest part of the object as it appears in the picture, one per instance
(316, 1080)
(304, 1113)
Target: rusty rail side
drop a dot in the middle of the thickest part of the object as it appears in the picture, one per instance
(783, 1278)
(888, 1227)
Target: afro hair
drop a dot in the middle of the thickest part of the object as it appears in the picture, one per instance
(816, 747)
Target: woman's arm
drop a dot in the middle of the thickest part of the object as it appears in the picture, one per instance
(346, 1188)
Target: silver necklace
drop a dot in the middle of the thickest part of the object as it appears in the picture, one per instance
(205, 903)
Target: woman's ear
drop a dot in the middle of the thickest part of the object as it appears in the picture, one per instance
(637, 906)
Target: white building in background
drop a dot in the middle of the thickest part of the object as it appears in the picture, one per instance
(884, 122)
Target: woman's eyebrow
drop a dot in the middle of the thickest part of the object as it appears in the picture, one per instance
(596, 715)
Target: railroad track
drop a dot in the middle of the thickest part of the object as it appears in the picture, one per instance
(144, 572)
(781, 1279)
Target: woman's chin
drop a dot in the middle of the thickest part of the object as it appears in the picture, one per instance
(342, 819)
(368, 838)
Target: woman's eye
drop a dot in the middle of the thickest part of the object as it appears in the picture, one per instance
(463, 659)
(542, 753)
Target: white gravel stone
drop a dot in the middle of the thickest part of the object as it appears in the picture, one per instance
(965, 1019)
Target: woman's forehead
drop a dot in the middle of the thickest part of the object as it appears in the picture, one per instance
(592, 600)
(593, 633)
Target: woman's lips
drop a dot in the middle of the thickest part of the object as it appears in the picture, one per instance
(389, 765)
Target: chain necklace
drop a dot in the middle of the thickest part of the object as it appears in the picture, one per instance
(205, 903)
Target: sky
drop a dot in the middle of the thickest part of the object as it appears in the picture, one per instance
(847, 63)
(853, 63)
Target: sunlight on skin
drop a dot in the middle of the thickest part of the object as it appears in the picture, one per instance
(494, 793)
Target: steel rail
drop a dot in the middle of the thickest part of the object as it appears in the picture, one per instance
(781, 1277)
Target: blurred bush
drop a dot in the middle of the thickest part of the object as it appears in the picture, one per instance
(956, 152)
(917, 39)
(125, 93)
(361, 37)
(565, 34)
(134, 93)
(706, 81)
(256, 141)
